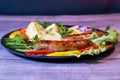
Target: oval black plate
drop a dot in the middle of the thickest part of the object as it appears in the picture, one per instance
(57, 59)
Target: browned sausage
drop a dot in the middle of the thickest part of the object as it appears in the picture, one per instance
(82, 36)
(63, 45)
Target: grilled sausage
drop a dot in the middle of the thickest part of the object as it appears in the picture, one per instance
(82, 36)
(63, 45)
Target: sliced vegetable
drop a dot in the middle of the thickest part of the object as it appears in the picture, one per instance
(53, 36)
(65, 53)
(37, 52)
(94, 47)
(109, 46)
(23, 34)
(13, 34)
(23, 31)
(75, 31)
(34, 29)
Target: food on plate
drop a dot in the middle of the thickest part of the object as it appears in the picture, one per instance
(55, 39)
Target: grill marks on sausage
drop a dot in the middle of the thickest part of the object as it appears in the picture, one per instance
(82, 36)
(63, 45)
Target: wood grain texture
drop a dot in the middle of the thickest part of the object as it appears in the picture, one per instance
(16, 68)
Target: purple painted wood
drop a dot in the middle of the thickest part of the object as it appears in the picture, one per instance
(16, 68)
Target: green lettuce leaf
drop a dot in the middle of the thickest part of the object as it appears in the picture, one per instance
(112, 37)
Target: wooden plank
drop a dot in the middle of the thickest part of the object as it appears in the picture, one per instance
(23, 69)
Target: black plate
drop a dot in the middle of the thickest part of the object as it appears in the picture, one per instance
(56, 59)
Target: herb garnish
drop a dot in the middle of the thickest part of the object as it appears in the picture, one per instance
(64, 30)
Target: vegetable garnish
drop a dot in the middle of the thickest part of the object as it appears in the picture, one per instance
(38, 52)
(56, 39)
(64, 31)
(13, 34)
(23, 31)
(95, 50)
(65, 53)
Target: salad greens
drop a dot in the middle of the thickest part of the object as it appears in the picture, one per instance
(111, 37)
(91, 51)
(64, 31)
(35, 39)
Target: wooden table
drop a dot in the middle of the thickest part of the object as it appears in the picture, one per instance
(16, 68)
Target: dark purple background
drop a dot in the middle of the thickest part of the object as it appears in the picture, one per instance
(58, 7)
